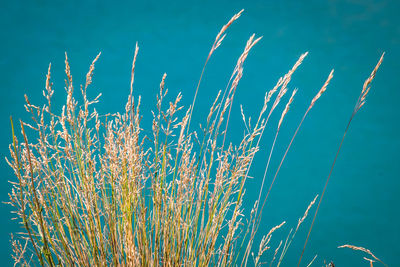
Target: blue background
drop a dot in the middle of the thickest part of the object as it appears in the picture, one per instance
(361, 206)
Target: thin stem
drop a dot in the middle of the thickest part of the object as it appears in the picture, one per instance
(253, 230)
(283, 158)
(323, 191)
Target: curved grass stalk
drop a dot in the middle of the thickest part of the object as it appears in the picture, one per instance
(359, 104)
(218, 40)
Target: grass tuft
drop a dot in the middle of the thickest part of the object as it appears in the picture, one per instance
(95, 190)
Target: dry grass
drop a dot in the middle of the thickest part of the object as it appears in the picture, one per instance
(365, 251)
(94, 190)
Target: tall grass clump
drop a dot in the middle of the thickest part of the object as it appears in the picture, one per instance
(97, 190)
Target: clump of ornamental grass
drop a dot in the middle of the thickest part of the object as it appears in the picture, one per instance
(95, 190)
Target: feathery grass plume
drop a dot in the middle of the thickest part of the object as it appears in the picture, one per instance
(301, 220)
(49, 91)
(131, 104)
(317, 96)
(264, 244)
(258, 218)
(19, 251)
(365, 90)
(289, 242)
(98, 190)
(238, 73)
(322, 90)
(218, 40)
(365, 251)
(359, 104)
(89, 75)
(275, 253)
(285, 111)
(282, 83)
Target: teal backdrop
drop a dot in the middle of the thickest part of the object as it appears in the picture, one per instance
(361, 205)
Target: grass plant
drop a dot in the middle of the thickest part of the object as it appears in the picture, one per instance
(95, 190)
